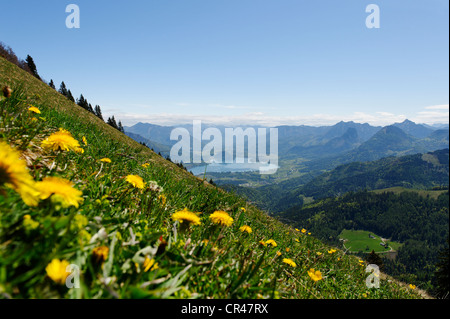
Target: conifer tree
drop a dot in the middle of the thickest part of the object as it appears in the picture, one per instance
(373, 258)
(32, 66)
(70, 96)
(98, 112)
(63, 89)
(52, 85)
(120, 127)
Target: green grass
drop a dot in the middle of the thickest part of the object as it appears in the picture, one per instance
(205, 261)
(359, 240)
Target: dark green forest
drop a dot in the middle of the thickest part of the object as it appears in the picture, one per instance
(419, 222)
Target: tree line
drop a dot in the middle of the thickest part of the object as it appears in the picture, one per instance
(29, 66)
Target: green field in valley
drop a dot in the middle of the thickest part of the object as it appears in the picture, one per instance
(361, 240)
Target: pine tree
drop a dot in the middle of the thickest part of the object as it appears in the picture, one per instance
(63, 89)
(112, 122)
(90, 109)
(98, 112)
(373, 258)
(81, 101)
(120, 127)
(32, 66)
(70, 96)
(52, 85)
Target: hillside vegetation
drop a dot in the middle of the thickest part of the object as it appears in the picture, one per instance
(134, 225)
(420, 223)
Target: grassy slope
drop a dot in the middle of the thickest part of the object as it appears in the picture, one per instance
(231, 265)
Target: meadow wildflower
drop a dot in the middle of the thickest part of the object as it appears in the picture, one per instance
(290, 262)
(61, 140)
(331, 251)
(163, 199)
(278, 253)
(150, 264)
(303, 231)
(246, 229)
(84, 140)
(315, 275)
(220, 217)
(34, 109)
(271, 242)
(412, 286)
(14, 174)
(100, 253)
(136, 181)
(243, 209)
(186, 216)
(60, 190)
(145, 165)
(29, 223)
(56, 270)
(105, 160)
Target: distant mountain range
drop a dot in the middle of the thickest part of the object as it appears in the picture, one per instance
(325, 147)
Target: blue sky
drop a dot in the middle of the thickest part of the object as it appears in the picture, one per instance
(242, 61)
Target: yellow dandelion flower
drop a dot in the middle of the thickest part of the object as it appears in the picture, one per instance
(145, 165)
(136, 181)
(271, 242)
(290, 262)
(61, 140)
(262, 242)
(309, 233)
(100, 253)
(288, 249)
(84, 140)
(186, 216)
(243, 209)
(57, 270)
(315, 274)
(318, 253)
(297, 229)
(29, 223)
(364, 295)
(61, 191)
(412, 286)
(331, 251)
(303, 230)
(278, 253)
(163, 199)
(105, 160)
(14, 174)
(246, 229)
(150, 264)
(296, 239)
(79, 150)
(220, 217)
(34, 109)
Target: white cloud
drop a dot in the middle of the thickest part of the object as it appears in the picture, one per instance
(437, 107)
(430, 115)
